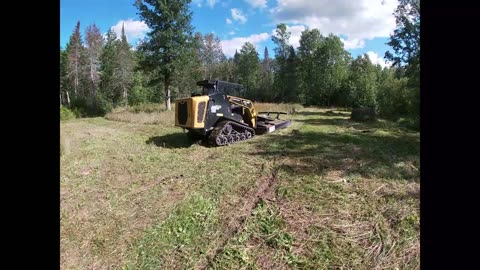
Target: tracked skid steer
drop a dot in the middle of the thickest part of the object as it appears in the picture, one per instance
(220, 117)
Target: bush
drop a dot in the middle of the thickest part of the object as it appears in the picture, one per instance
(101, 105)
(66, 114)
(91, 106)
(393, 98)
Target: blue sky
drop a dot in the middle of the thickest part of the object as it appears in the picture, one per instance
(363, 25)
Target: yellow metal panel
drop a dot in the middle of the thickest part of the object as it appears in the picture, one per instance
(192, 116)
(196, 101)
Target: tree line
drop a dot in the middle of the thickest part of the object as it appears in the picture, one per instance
(99, 73)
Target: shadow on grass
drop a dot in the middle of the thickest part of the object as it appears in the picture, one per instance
(344, 154)
(173, 140)
(341, 121)
(343, 113)
(360, 126)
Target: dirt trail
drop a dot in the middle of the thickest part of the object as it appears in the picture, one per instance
(264, 190)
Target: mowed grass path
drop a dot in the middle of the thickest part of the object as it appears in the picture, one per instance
(341, 195)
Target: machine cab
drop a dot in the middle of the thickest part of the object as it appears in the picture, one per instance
(211, 87)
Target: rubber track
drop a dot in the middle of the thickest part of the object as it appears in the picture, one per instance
(217, 131)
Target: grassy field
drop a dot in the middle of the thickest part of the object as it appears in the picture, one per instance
(325, 193)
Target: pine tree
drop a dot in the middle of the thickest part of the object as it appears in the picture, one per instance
(282, 52)
(266, 78)
(109, 84)
(190, 70)
(236, 61)
(94, 45)
(266, 63)
(170, 37)
(124, 66)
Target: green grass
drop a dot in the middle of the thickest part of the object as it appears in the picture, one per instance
(264, 234)
(181, 232)
(138, 196)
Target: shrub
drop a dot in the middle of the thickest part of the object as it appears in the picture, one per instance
(91, 106)
(66, 114)
(393, 98)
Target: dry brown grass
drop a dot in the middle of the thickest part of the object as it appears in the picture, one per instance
(278, 107)
(151, 113)
(165, 118)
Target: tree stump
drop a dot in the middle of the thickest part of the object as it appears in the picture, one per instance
(363, 114)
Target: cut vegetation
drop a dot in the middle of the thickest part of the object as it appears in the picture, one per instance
(325, 193)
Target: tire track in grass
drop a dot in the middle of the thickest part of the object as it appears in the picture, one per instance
(262, 191)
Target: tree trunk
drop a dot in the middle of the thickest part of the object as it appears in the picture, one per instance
(92, 77)
(76, 70)
(68, 98)
(167, 91)
(169, 107)
(76, 83)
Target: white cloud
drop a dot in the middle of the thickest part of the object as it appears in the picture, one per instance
(238, 16)
(295, 34)
(230, 45)
(211, 3)
(133, 29)
(377, 59)
(357, 20)
(231, 33)
(228, 21)
(199, 3)
(257, 3)
(354, 43)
